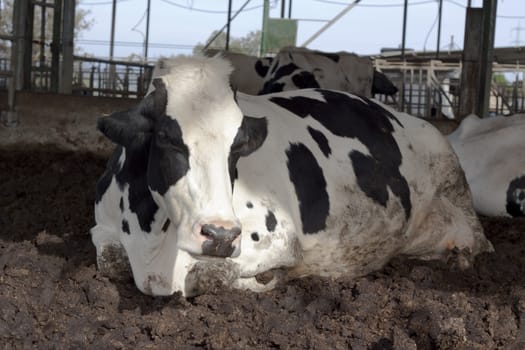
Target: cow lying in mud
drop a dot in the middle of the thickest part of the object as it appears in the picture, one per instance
(206, 185)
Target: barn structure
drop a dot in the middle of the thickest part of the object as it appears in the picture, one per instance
(431, 84)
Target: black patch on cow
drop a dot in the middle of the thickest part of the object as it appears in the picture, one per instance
(305, 80)
(382, 85)
(255, 236)
(249, 205)
(516, 197)
(371, 124)
(310, 187)
(333, 56)
(272, 85)
(169, 155)
(125, 226)
(271, 221)
(321, 140)
(250, 136)
(261, 69)
(121, 204)
(112, 168)
(133, 173)
(166, 225)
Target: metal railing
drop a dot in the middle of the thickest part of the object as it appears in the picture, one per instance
(431, 89)
(98, 77)
(91, 76)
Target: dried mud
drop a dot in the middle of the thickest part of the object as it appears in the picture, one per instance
(51, 295)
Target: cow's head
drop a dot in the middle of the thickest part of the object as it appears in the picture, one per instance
(192, 132)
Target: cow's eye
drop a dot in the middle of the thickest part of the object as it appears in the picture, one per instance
(164, 140)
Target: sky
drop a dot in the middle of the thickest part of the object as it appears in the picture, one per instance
(177, 25)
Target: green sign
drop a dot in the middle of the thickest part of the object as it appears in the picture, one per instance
(278, 33)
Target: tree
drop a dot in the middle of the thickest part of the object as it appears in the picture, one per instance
(82, 24)
(248, 44)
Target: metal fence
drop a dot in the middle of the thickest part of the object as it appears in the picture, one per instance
(98, 77)
(430, 89)
(91, 76)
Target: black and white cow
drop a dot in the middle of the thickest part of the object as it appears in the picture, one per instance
(300, 68)
(249, 71)
(490, 151)
(208, 186)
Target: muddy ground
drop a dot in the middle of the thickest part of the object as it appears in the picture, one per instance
(51, 295)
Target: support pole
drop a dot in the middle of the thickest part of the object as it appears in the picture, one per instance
(283, 5)
(290, 9)
(111, 76)
(487, 56)
(55, 46)
(228, 25)
(470, 63)
(403, 44)
(27, 55)
(68, 29)
(146, 40)
(112, 37)
(440, 10)
(331, 22)
(266, 14)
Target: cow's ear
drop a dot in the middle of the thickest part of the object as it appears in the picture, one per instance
(133, 128)
(129, 128)
(251, 135)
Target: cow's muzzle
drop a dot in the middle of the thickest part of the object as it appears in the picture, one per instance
(219, 241)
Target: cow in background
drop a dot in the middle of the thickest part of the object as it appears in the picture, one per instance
(299, 68)
(490, 151)
(248, 71)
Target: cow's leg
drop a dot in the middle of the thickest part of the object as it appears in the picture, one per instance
(451, 226)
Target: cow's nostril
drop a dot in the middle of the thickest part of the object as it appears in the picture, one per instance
(207, 231)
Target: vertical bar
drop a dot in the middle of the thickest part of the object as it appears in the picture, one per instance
(27, 65)
(55, 45)
(228, 24)
(42, 33)
(403, 40)
(403, 43)
(146, 40)
(470, 72)
(283, 5)
(410, 104)
(419, 92)
(112, 38)
(266, 13)
(290, 9)
(487, 56)
(68, 29)
(440, 10)
(111, 76)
